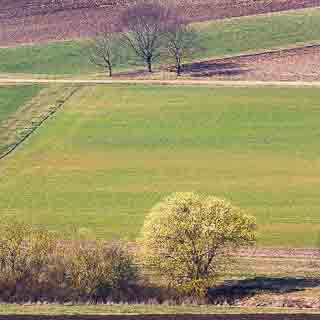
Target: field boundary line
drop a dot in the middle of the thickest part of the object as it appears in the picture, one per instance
(214, 83)
(58, 104)
(259, 52)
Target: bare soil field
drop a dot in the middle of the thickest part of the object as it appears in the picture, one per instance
(298, 64)
(25, 21)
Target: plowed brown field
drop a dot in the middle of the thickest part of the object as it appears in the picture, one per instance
(23, 21)
(298, 64)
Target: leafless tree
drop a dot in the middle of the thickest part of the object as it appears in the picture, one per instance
(182, 42)
(105, 51)
(144, 25)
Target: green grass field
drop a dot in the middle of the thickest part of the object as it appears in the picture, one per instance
(104, 160)
(13, 97)
(231, 36)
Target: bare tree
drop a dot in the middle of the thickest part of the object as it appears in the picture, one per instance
(182, 42)
(145, 23)
(105, 51)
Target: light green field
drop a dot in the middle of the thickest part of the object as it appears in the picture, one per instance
(13, 97)
(104, 160)
(231, 36)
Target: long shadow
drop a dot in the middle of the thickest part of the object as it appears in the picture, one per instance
(210, 69)
(231, 290)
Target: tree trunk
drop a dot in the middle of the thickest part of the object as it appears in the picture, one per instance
(110, 70)
(178, 64)
(149, 65)
(178, 68)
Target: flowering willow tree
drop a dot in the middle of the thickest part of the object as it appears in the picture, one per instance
(186, 237)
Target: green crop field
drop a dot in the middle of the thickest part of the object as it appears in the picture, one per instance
(230, 36)
(104, 160)
(12, 97)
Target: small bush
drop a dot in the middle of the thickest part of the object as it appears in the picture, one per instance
(99, 273)
(26, 257)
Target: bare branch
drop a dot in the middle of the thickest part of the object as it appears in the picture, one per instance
(105, 51)
(144, 26)
(182, 42)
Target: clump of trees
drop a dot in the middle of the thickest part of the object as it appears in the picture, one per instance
(151, 30)
(187, 237)
(36, 266)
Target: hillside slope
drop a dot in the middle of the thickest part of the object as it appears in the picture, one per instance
(23, 21)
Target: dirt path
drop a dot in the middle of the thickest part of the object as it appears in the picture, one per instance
(214, 83)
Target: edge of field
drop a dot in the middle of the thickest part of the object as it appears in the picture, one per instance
(138, 309)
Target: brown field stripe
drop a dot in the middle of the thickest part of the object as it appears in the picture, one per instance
(168, 317)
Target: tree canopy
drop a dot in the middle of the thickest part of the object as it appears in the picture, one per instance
(186, 236)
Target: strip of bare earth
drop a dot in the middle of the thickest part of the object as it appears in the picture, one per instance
(27, 119)
(213, 83)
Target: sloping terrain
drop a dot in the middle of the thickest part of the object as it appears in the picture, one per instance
(219, 38)
(23, 21)
(298, 64)
(112, 152)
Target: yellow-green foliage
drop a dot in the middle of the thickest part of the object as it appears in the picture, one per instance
(186, 236)
(33, 266)
(24, 252)
(87, 269)
(97, 272)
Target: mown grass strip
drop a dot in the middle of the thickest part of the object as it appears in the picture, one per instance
(21, 124)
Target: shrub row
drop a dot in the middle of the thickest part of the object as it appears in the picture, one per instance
(36, 266)
(185, 246)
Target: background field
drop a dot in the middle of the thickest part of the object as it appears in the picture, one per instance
(113, 152)
(222, 37)
(33, 21)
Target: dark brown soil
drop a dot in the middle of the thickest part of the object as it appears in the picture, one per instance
(24, 21)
